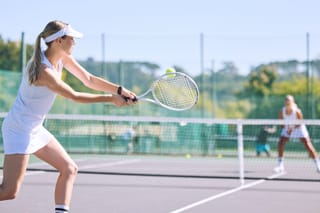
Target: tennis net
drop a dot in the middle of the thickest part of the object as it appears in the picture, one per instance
(182, 147)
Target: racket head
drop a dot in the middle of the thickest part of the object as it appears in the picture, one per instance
(175, 91)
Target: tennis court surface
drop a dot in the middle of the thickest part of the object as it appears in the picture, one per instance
(139, 183)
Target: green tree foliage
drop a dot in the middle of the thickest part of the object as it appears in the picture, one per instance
(267, 86)
(260, 81)
(10, 54)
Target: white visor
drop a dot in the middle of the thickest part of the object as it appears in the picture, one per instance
(67, 30)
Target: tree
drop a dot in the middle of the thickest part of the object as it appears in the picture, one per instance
(10, 54)
(260, 81)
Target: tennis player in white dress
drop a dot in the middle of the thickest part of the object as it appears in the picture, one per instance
(22, 130)
(291, 112)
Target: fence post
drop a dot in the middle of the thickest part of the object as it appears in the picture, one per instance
(240, 152)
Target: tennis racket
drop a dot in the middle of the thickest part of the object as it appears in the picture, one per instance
(174, 91)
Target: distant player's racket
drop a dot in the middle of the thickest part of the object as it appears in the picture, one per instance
(175, 91)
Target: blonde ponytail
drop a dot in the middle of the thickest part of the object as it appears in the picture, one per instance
(34, 68)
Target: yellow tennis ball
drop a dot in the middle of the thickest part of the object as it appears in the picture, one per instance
(170, 72)
(188, 156)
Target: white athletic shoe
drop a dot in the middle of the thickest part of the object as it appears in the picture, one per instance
(279, 169)
(318, 168)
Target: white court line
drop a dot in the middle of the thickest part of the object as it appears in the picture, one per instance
(34, 173)
(42, 163)
(30, 173)
(122, 162)
(93, 166)
(214, 197)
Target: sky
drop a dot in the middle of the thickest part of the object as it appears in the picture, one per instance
(168, 32)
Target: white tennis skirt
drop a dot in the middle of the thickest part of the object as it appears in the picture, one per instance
(20, 141)
(300, 132)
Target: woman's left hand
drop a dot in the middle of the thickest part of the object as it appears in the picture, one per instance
(128, 95)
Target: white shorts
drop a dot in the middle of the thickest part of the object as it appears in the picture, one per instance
(19, 141)
(300, 132)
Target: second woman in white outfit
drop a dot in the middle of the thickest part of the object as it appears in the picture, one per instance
(291, 112)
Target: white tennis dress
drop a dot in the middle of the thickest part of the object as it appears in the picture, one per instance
(299, 132)
(22, 129)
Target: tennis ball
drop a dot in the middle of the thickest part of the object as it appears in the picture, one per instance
(188, 156)
(220, 156)
(170, 72)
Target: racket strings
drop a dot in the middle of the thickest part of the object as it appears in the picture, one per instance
(178, 92)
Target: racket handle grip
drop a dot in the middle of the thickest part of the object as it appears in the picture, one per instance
(134, 99)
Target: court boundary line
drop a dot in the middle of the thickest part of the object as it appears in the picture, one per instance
(109, 164)
(30, 173)
(228, 192)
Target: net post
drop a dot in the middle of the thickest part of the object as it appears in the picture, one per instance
(240, 152)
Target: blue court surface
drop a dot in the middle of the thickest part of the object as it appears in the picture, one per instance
(127, 184)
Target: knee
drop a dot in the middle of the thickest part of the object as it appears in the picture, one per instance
(70, 169)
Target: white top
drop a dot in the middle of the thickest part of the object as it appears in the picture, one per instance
(22, 128)
(298, 132)
(33, 102)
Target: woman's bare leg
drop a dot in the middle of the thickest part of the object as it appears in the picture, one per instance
(55, 155)
(281, 145)
(307, 143)
(14, 169)
(312, 151)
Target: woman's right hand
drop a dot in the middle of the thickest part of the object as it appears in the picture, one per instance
(127, 94)
(119, 100)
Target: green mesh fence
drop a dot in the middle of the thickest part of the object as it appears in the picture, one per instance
(219, 140)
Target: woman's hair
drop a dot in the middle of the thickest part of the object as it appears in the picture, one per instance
(291, 99)
(34, 66)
